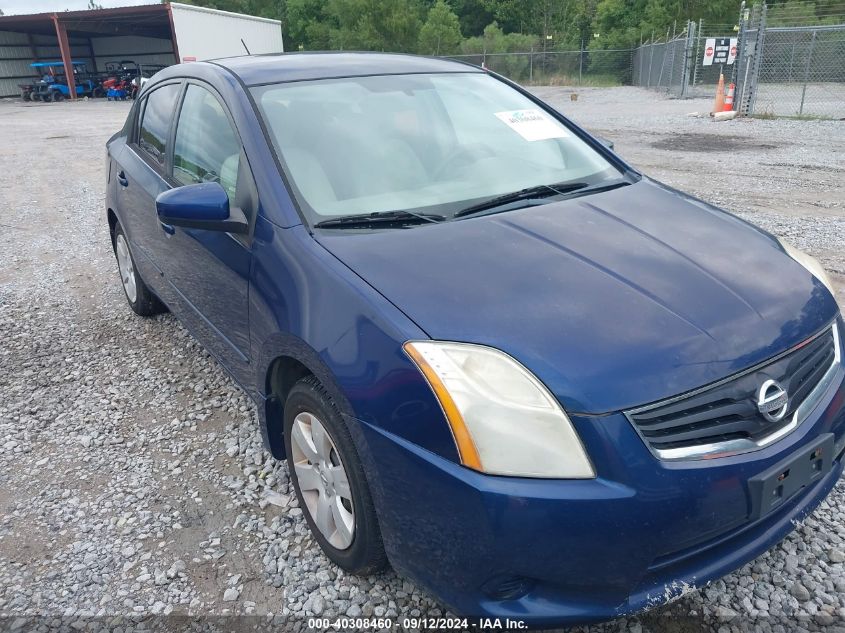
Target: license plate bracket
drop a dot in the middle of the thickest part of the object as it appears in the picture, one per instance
(776, 485)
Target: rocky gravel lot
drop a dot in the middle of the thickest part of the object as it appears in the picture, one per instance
(133, 482)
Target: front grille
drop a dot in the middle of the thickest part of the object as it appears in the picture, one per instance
(728, 411)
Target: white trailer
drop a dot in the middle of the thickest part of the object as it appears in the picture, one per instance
(209, 33)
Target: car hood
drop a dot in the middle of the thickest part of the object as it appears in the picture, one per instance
(613, 300)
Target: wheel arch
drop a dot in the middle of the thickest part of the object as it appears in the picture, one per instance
(112, 218)
(287, 359)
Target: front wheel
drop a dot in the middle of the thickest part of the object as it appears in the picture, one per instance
(329, 480)
(57, 96)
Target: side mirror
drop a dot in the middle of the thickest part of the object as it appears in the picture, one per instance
(608, 144)
(201, 206)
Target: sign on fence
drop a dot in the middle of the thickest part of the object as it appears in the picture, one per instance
(719, 50)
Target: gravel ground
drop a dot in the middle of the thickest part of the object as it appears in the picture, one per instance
(133, 482)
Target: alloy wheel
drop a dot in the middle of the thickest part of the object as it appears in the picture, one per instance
(322, 480)
(126, 268)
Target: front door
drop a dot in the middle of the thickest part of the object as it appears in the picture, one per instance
(209, 270)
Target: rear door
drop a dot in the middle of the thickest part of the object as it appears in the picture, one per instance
(209, 270)
(141, 176)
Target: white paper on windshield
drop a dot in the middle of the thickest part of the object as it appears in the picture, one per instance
(532, 125)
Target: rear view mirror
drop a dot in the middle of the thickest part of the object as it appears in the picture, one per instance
(201, 206)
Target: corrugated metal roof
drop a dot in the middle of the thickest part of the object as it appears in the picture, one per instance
(152, 20)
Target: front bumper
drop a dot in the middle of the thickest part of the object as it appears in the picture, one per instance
(640, 534)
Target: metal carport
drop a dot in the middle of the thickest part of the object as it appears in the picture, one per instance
(150, 33)
(72, 34)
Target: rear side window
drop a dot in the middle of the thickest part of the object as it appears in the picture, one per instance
(206, 146)
(155, 121)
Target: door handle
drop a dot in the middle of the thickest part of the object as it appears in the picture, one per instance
(121, 178)
(167, 228)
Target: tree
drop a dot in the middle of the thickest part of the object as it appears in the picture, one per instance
(441, 33)
(306, 25)
(559, 23)
(473, 15)
(92, 6)
(374, 25)
(622, 23)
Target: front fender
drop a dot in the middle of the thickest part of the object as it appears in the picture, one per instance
(307, 305)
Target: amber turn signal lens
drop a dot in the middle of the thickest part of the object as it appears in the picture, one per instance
(463, 440)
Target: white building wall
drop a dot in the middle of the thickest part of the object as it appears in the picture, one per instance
(207, 33)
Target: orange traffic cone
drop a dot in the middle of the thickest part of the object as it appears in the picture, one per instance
(729, 98)
(719, 101)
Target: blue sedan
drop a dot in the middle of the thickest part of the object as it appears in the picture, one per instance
(494, 355)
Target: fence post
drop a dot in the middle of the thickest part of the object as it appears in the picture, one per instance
(672, 62)
(757, 57)
(742, 59)
(663, 61)
(698, 33)
(581, 62)
(650, 60)
(688, 57)
(807, 73)
(531, 66)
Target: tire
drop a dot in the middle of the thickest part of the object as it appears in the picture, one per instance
(141, 299)
(308, 402)
(57, 96)
(98, 93)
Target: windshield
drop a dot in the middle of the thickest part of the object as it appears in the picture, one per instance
(434, 143)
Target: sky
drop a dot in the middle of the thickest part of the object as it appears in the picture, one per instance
(12, 7)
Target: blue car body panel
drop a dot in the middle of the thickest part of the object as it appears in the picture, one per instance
(613, 300)
(639, 535)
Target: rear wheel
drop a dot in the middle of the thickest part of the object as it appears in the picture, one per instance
(141, 299)
(329, 480)
(57, 96)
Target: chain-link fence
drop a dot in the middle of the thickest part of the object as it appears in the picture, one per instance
(801, 72)
(559, 68)
(778, 70)
(664, 65)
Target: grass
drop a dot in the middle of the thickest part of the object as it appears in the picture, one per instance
(587, 81)
(768, 115)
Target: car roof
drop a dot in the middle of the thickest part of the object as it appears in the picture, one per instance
(268, 69)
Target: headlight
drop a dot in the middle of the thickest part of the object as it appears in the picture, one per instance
(809, 262)
(504, 420)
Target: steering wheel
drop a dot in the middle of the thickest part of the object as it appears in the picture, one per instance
(462, 153)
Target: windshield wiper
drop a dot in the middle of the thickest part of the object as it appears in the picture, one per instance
(540, 191)
(379, 217)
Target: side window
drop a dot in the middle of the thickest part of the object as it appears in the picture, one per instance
(155, 121)
(206, 147)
